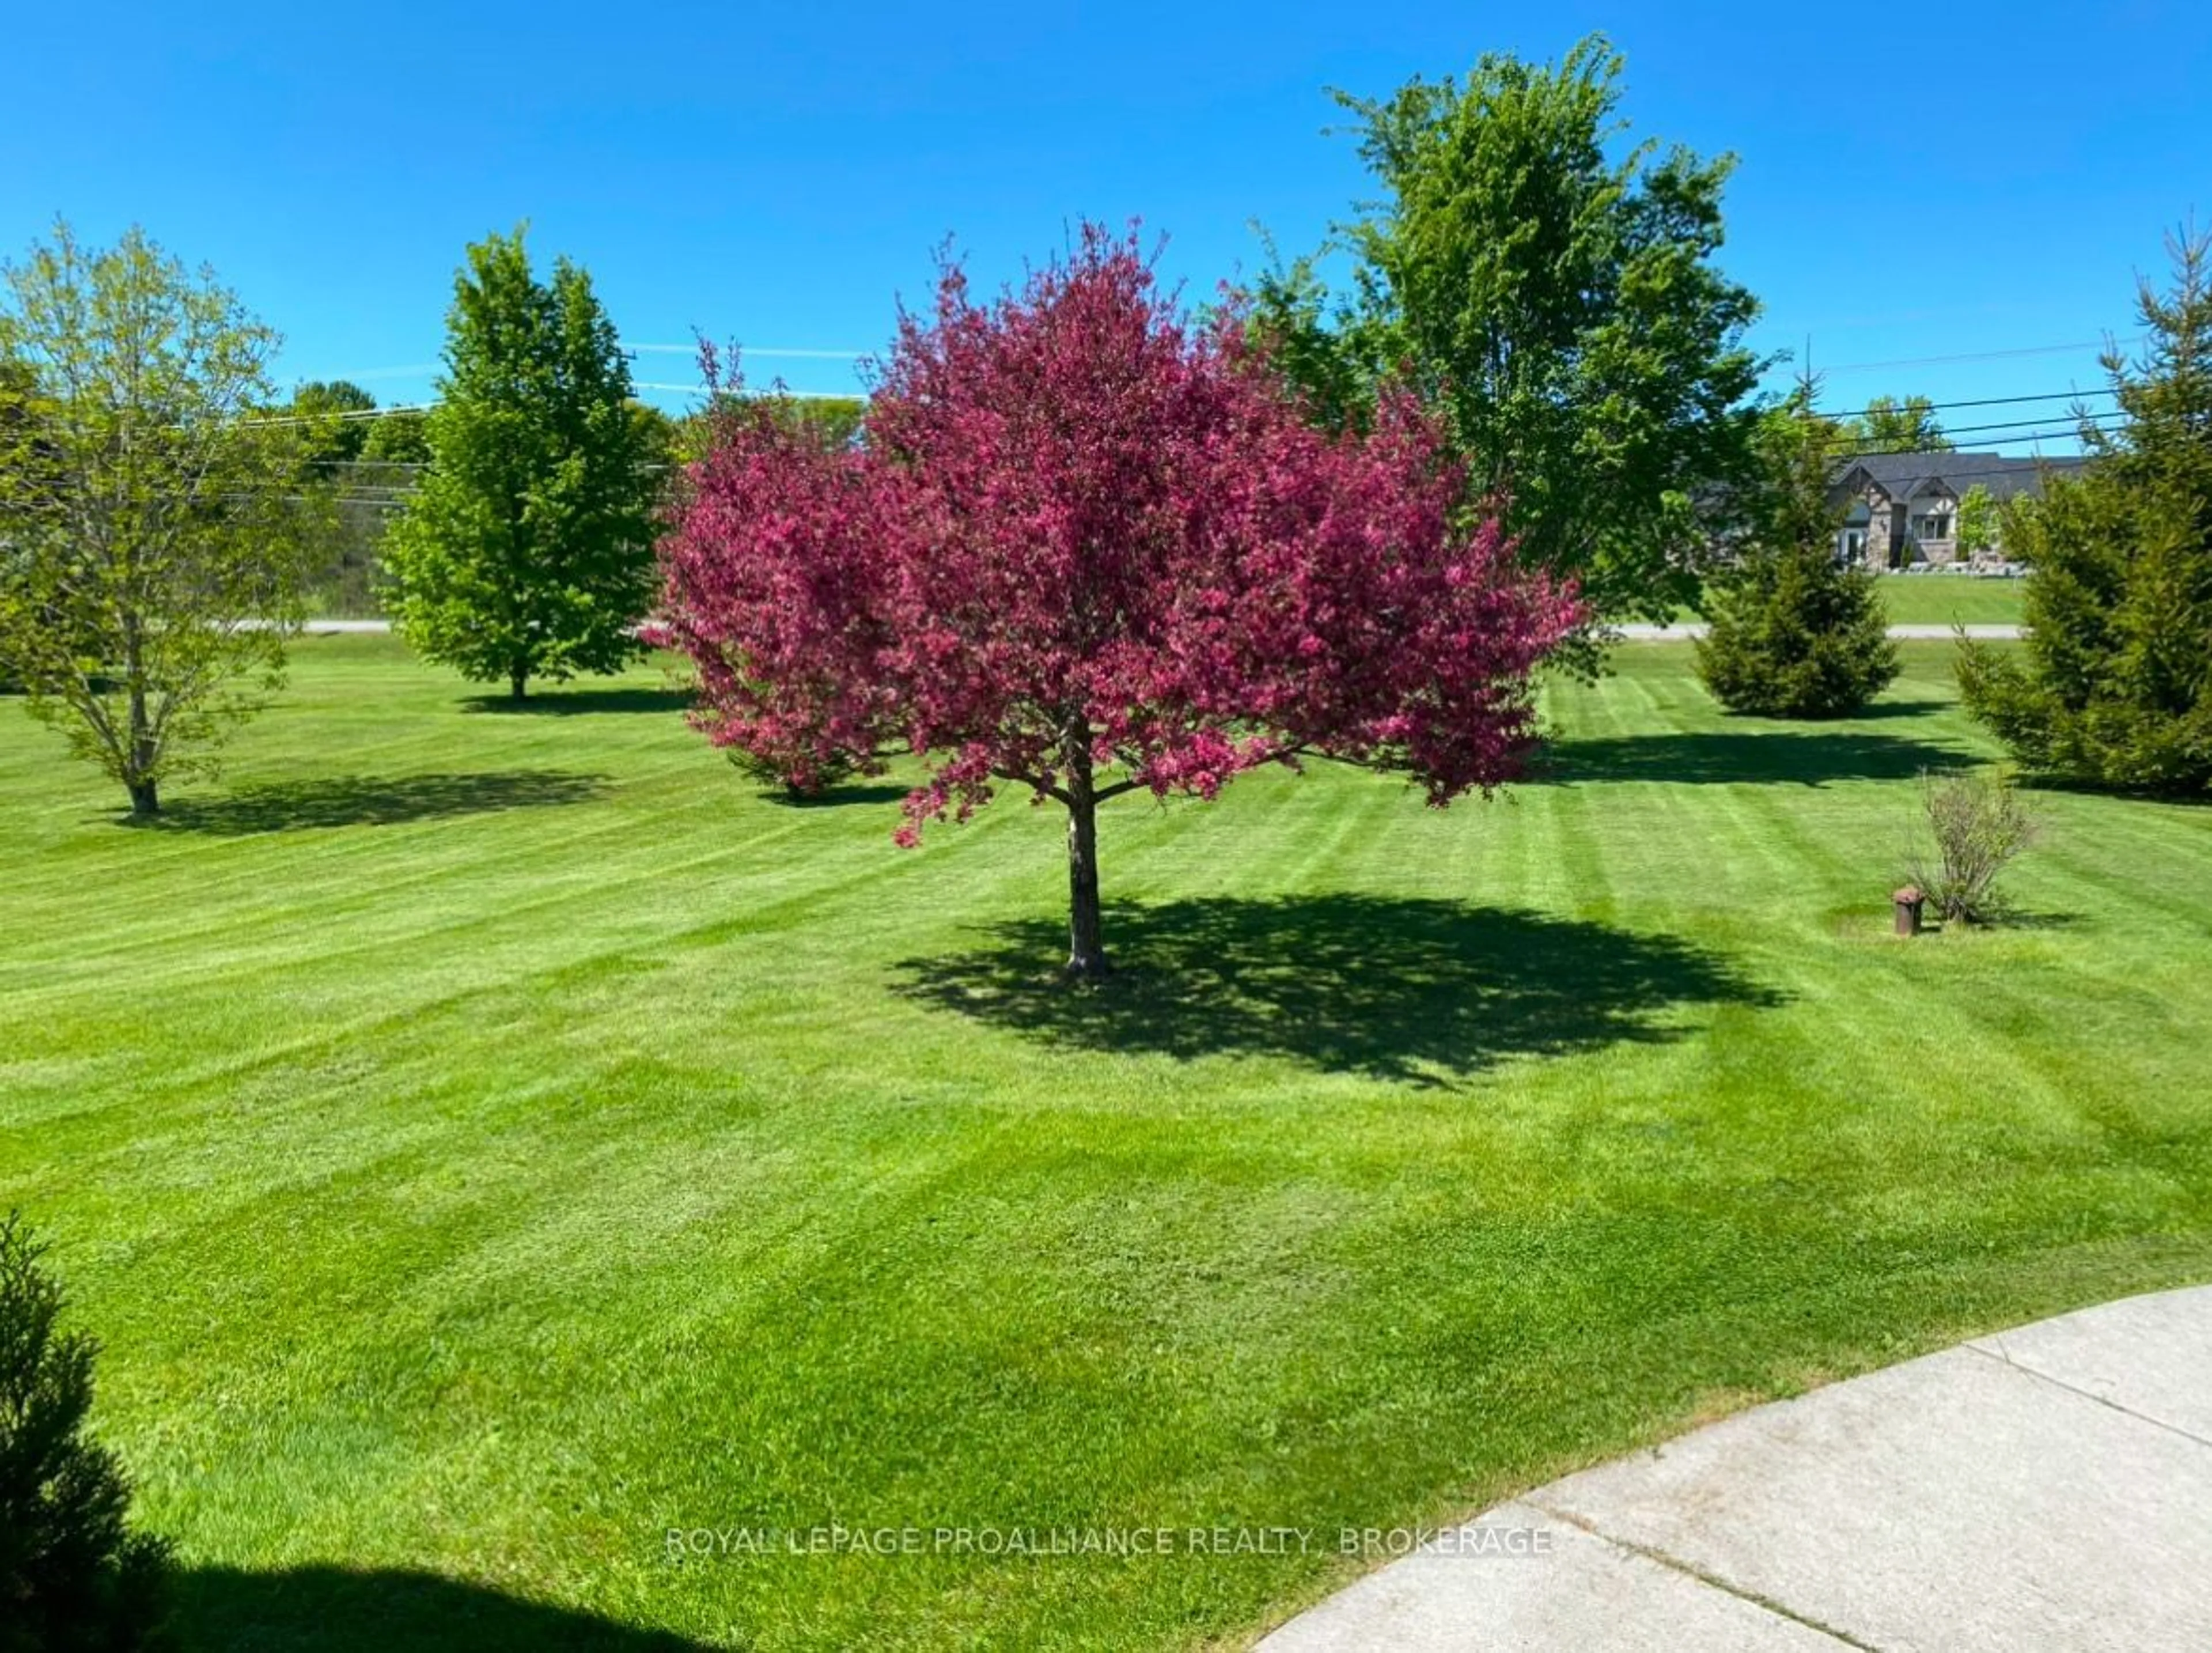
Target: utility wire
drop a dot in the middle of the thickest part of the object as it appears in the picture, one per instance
(1982, 401)
(1981, 355)
(2033, 430)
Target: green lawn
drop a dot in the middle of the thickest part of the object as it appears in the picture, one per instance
(1946, 599)
(486, 1140)
(1941, 599)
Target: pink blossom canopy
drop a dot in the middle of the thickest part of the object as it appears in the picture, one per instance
(1077, 518)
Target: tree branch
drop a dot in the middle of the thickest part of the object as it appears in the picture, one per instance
(1037, 783)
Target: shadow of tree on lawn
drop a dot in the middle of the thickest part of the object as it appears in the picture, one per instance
(375, 801)
(339, 1610)
(1724, 756)
(1397, 988)
(569, 703)
(834, 797)
(1884, 709)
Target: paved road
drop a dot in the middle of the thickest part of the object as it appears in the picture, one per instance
(2047, 1487)
(1637, 634)
(1903, 634)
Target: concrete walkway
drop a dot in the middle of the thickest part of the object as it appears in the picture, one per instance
(2047, 1487)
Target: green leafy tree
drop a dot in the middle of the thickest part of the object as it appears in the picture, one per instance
(1561, 307)
(658, 435)
(836, 420)
(527, 550)
(1889, 426)
(1793, 632)
(398, 436)
(2113, 685)
(73, 1574)
(335, 408)
(156, 523)
(1980, 522)
(335, 417)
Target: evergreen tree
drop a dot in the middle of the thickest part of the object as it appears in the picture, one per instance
(72, 1573)
(1794, 633)
(2113, 685)
(527, 551)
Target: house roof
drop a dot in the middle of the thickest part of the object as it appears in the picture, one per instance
(1905, 477)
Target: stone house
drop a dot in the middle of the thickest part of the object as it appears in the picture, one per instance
(1903, 509)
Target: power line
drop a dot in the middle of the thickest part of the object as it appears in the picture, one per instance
(1948, 431)
(344, 413)
(1981, 402)
(1850, 451)
(777, 351)
(1979, 355)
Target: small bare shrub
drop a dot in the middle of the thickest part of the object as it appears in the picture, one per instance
(1978, 822)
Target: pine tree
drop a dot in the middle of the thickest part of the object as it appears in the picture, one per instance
(2113, 686)
(1793, 632)
(72, 1572)
(527, 551)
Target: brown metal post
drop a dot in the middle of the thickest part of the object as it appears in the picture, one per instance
(1908, 902)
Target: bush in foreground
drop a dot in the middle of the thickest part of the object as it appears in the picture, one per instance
(73, 1576)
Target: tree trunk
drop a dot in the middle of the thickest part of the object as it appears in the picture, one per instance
(1086, 950)
(138, 764)
(518, 681)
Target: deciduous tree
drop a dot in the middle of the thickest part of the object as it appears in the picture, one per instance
(527, 552)
(337, 408)
(1087, 549)
(1891, 426)
(398, 436)
(1557, 304)
(155, 521)
(1980, 522)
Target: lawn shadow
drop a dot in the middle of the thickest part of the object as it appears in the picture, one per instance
(836, 797)
(2006, 918)
(1899, 708)
(1725, 756)
(569, 703)
(360, 801)
(2072, 786)
(340, 1610)
(1396, 988)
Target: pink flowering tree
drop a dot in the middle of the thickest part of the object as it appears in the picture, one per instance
(1087, 547)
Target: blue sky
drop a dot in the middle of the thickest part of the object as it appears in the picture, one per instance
(1914, 182)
